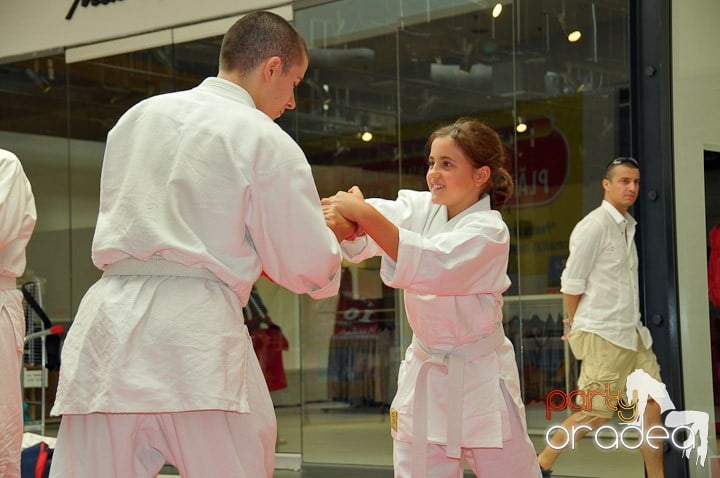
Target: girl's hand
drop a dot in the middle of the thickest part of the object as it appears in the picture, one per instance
(350, 204)
(355, 191)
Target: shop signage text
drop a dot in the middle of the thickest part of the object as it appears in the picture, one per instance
(86, 3)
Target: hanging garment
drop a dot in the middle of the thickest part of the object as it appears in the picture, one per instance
(268, 342)
(714, 266)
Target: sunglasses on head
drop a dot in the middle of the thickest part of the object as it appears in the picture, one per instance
(624, 160)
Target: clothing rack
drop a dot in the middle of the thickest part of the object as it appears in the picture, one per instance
(534, 325)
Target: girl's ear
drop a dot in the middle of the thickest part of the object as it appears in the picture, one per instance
(482, 175)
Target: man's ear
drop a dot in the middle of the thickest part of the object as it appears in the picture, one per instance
(605, 184)
(271, 66)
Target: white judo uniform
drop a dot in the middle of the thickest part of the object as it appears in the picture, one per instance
(458, 387)
(17, 221)
(200, 193)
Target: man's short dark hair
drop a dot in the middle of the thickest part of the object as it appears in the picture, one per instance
(622, 160)
(258, 36)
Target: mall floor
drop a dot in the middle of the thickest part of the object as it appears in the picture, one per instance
(334, 438)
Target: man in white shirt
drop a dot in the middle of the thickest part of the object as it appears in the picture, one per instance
(17, 221)
(201, 192)
(601, 299)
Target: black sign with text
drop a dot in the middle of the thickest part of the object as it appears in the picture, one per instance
(86, 3)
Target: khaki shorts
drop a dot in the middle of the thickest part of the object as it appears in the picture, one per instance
(605, 367)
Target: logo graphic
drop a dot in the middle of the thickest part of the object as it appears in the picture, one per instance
(696, 423)
(640, 387)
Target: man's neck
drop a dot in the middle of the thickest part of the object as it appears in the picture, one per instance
(620, 209)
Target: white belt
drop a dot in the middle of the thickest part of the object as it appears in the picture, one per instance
(157, 267)
(7, 283)
(454, 361)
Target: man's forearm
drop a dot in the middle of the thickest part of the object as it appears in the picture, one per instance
(571, 304)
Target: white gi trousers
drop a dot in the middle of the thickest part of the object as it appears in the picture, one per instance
(144, 421)
(200, 444)
(12, 337)
(516, 459)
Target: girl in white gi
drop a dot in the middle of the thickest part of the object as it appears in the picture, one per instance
(458, 392)
(17, 221)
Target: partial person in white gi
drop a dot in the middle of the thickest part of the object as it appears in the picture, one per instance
(602, 304)
(17, 222)
(201, 192)
(458, 392)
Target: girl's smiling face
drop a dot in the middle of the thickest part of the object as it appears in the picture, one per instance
(452, 179)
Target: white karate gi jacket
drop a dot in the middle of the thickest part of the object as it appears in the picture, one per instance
(17, 215)
(204, 179)
(453, 274)
(17, 221)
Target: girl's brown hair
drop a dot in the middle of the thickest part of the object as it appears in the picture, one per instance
(484, 147)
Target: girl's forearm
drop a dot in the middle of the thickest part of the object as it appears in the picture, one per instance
(383, 232)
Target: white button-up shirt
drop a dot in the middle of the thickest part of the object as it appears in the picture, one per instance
(602, 267)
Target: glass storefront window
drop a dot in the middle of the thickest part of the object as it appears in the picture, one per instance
(34, 126)
(394, 70)
(560, 103)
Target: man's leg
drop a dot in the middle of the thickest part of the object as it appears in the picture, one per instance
(218, 443)
(112, 445)
(599, 358)
(207, 443)
(576, 425)
(652, 457)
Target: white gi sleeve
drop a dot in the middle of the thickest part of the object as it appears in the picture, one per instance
(398, 212)
(585, 244)
(17, 215)
(471, 259)
(287, 228)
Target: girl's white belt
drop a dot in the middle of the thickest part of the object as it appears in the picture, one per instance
(454, 361)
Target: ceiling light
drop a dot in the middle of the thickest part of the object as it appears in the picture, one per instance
(365, 135)
(497, 10)
(521, 125)
(574, 36)
(326, 100)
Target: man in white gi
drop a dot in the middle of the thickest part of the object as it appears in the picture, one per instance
(17, 221)
(602, 305)
(201, 192)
